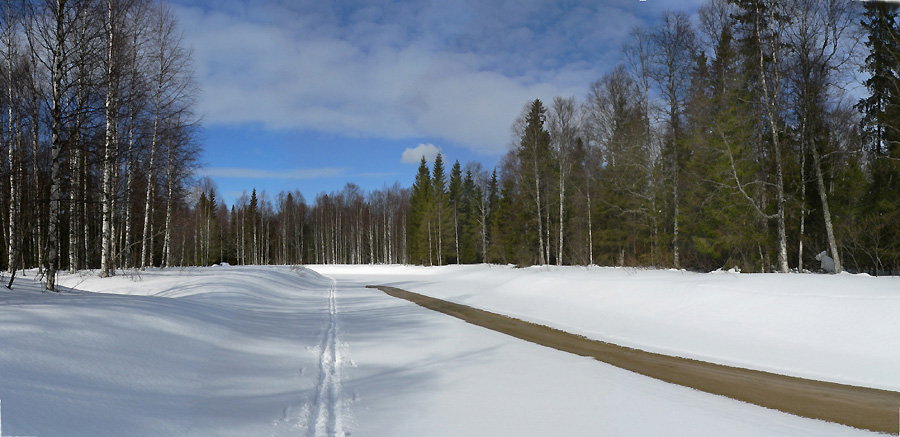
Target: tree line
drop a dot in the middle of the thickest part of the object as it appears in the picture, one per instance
(98, 134)
(341, 227)
(745, 138)
(742, 139)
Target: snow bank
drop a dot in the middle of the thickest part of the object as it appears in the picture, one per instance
(177, 352)
(841, 328)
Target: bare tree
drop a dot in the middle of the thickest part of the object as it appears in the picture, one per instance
(55, 22)
(12, 26)
(173, 91)
(564, 127)
(820, 42)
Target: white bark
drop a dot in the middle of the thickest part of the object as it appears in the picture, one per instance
(823, 196)
(106, 258)
(13, 146)
(770, 106)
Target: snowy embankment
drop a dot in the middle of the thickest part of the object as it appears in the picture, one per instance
(839, 328)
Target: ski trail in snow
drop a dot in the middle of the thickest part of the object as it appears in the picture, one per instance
(325, 419)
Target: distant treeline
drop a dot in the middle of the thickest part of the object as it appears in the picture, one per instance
(743, 139)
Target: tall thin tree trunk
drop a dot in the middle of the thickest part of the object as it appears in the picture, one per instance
(540, 218)
(675, 260)
(170, 174)
(147, 239)
(13, 145)
(35, 174)
(803, 138)
(769, 104)
(129, 187)
(56, 152)
(587, 184)
(106, 256)
(562, 201)
(826, 212)
(74, 223)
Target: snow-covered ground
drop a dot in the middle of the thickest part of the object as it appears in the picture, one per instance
(280, 351)
(839, 328)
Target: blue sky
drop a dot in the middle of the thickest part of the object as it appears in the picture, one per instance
(311, 95)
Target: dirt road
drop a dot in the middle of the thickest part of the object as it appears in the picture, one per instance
(860, 407)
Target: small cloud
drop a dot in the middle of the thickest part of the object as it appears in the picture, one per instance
(414, 156)
(252, 173)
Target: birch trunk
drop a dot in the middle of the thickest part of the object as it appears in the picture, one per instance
(562, 200)
(14, 167)
(170, 175)
(590, 228)
(826, 212)
(540, 219)
(147, 239)
(56, 176)
(769, 104)
(106, 256)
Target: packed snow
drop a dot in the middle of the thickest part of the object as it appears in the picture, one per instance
(234, 350)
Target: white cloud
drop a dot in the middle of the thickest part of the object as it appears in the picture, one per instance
(458, 72)
(252, 173)
(414, 156)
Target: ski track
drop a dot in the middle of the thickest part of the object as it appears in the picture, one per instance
(325, 419)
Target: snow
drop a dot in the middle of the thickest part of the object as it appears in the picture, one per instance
(839, 328)
(278, 351)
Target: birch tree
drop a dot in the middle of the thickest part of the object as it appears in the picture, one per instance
(564, 127)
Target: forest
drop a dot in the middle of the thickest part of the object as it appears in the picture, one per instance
(755, 134)
(99, 138)
(757, 137)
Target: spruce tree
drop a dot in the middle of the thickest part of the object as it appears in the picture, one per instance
(454, 198)
(470, 231)
(420, 211)
(440, 201)
(881, 124)
(534, 155)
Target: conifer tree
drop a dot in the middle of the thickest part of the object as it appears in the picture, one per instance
(534, 154)
(455, 198)
(440, 204)
(419, 222)
(881, 124)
